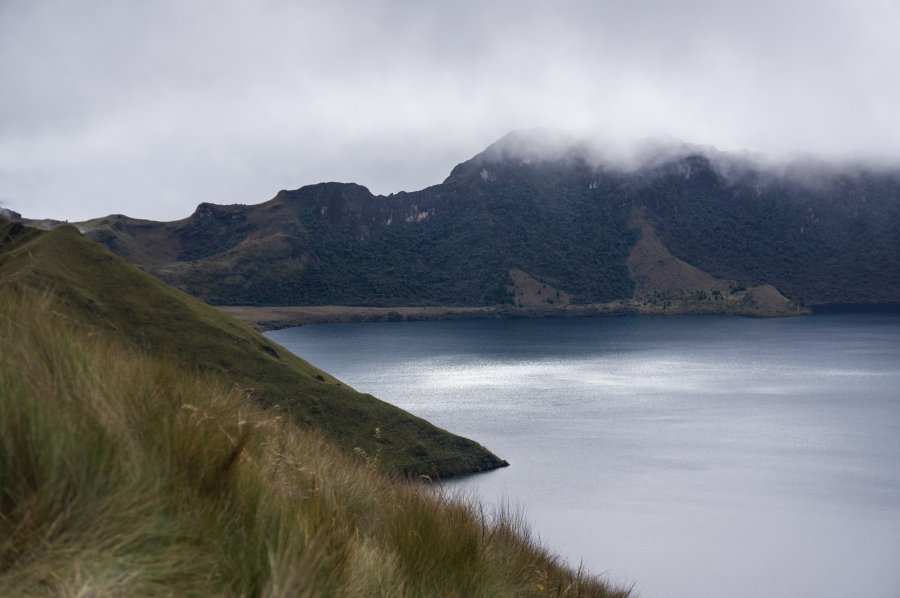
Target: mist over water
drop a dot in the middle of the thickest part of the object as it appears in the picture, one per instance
(692, 456)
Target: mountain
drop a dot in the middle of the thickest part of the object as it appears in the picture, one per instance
(543, 221)
(105, 294)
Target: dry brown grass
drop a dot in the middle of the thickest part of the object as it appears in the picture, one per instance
(665, 284)
(529, 292)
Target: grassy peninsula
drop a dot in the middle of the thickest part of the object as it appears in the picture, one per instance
(93, 286)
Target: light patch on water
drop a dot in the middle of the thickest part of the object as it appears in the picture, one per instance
(639, 375)
(696, 457)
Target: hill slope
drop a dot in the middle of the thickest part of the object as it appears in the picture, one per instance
(103, 291)
(820, 234)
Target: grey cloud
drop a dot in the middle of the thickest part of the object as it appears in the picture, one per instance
(148, 108)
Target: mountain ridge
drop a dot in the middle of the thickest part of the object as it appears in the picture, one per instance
(559, 211)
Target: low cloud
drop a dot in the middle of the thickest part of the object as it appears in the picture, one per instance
(150, 108)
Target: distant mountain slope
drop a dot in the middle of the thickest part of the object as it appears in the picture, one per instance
(819, 234)
(103, 291)
(532, 211)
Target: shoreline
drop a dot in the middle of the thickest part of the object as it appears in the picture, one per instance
(266, 318)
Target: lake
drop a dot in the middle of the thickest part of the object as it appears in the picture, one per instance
(692, 456)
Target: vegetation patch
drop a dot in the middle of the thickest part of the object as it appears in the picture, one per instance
(527, 291)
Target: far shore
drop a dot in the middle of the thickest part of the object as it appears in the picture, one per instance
(275, 317)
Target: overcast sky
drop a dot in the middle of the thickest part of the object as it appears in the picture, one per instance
(149, 107)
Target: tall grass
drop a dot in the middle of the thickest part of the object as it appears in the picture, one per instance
(124, 475)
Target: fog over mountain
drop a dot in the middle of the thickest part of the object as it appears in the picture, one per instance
(150, 108)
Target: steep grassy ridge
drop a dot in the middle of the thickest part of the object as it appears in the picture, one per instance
(93, 286)
(123, 475)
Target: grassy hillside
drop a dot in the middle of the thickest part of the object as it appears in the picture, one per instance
(121, 474)
(93, 286)
(664, 284)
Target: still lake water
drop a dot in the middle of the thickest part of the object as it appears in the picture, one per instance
(692, 456)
